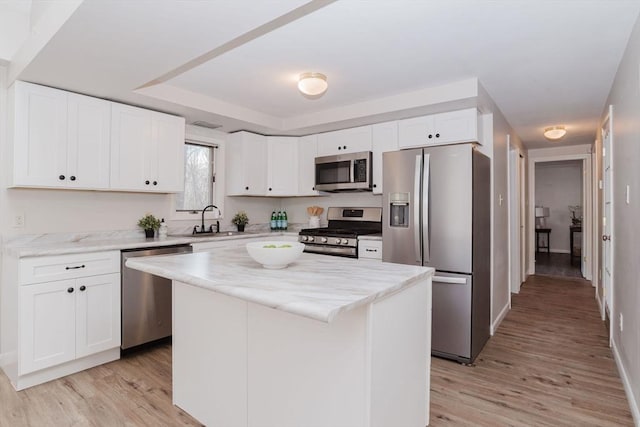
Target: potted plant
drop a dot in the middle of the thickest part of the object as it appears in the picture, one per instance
(240, 220)
(150, 224)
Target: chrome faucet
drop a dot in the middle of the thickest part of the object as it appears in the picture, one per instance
(202, 229)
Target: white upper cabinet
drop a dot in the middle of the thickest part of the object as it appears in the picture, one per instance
(443, 128)
(60, 139)
(344, 141)
(246, 156)
(384, 138)
(147, 150)
(282, 166)
(307, 152)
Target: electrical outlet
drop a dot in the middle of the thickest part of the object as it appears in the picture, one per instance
(18, 220)
(621, 322)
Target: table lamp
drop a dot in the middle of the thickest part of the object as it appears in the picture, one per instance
(541, 214)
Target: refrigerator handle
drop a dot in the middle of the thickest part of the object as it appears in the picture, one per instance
(416, 209)
(425, 209)
(452, 280)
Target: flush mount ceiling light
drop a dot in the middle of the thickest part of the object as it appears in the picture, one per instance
(555, 132)
(312, 84)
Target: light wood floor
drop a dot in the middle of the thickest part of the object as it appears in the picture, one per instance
(548, 365)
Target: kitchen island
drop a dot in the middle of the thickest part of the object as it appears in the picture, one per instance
(328, 341)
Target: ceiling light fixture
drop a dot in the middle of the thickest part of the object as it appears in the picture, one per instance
(312, 84)
(555, 132)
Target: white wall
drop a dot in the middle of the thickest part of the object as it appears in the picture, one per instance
(625, 98)
(297, 207)
(559, 185)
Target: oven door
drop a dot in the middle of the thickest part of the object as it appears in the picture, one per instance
(344, 172)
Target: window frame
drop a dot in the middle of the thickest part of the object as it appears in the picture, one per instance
(218, 167)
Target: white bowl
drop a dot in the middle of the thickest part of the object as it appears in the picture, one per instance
(273, 254)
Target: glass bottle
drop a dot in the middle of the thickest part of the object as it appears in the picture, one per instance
(285, 223)
(274, 221)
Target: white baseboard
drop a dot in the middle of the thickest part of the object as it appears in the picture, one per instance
(633, 403)
(499, 319)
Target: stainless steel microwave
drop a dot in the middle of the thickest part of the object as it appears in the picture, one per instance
(344, 172)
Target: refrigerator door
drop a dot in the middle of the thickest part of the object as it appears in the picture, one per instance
(451, 322)
(401, 229)
(448, 199)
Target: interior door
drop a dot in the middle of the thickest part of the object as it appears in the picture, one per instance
(607, 219)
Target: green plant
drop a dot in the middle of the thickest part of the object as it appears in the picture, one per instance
(149, 222)
(240, 218)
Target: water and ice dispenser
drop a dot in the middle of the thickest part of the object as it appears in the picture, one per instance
(399, 209)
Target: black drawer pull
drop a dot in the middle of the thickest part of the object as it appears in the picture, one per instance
(83, 287)
(72, 178)
(146, 182)
(437, 135)
(74, 268)
(61, 177)
(155, 182)
(70, 290)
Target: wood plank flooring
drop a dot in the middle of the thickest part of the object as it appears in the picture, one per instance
(557, 264)
(549, 364)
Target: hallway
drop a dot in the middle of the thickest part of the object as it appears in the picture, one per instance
(549, 364)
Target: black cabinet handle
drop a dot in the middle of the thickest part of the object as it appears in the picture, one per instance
(74, 268)
(70, 290)
(313, 188)
(83, 288)
(146, 182)
(61, 177)
(375, 185)
(344, 147)
(270, 188)
(437, 135)
(430, 136)
(246, 188)
(155, 182)
(72, 178)
(339, 148)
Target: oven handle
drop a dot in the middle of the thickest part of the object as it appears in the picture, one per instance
(352, 171)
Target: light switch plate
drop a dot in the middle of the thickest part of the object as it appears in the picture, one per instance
(18, 220)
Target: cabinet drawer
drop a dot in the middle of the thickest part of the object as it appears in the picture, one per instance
(59, 267)
(370, 249)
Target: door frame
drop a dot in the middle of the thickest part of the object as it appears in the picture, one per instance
(587, 206)
(515, 190)
(607, 151)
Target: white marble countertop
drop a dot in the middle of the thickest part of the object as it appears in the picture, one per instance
(82, 244)
(315, 286)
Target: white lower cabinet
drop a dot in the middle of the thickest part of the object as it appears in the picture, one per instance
(61, 314)
(68, 319)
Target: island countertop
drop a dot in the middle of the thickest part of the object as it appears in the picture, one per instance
(314, 286)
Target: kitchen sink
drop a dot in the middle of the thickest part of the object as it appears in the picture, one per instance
(212, 235)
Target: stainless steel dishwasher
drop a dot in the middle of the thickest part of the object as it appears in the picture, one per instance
(146, 299)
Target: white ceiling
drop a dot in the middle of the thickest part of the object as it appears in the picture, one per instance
(544, 62)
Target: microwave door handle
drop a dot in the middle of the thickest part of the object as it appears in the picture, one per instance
(352, 171)
(416, 209)
(425, 208)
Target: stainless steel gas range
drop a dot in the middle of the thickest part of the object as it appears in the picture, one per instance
(340, 237)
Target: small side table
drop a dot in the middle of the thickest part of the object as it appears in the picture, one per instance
(575, 253)
(543, 231)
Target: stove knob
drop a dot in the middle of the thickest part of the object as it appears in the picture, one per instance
(345, 242)
(303, 238)
(323, 239)
(338, 241)
(311, 238)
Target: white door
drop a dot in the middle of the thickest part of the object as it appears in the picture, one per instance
(131, 134)
(166, 164)
(89, 131)
(384, 137)
(607, 219)
(254, 164)
(307, 152)
(98, 313)
(40, 153)
(514, 220)
(47, 325)
(282, 166)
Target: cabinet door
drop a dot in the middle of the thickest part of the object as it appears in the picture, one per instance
(282, 166)
(345, 141)
(307, 152)
(89, 132)
(40, 136)
(167, 165)
(97, 314)
(456, 126)
(415, 132)
(47, 325)
(384, 138)
(131, 135)
(246, 166)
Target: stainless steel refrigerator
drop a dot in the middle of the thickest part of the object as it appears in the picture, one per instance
(436, 213)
